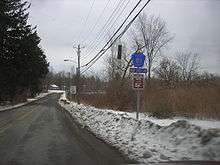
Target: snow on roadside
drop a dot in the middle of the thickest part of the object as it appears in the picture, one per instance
(56, 91)
(206, 124)
(148, 140)
(7, 107)
(40, 95)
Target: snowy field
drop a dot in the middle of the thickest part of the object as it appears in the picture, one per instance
(150, 139)
(41, 95)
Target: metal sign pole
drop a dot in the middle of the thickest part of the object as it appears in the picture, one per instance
(138, 104)
(138, 61)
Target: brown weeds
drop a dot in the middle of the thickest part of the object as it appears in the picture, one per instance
(159, 101)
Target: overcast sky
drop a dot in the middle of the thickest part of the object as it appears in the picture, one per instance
(62, 23)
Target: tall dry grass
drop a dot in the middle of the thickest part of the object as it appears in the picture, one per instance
(162, 102)
(194, 101)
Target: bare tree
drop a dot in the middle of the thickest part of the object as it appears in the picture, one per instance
(150, 33)
(189, 65)
(169, 72)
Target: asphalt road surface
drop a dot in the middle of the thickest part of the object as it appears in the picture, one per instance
(42, 134)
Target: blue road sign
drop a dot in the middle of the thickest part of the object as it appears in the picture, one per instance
(138, 70)
(138, 59)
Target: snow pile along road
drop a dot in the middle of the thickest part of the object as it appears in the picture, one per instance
(146, 141)
(29, 100)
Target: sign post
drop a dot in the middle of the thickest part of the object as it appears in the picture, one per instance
(138, 84)
(138, 71)
(138, 104)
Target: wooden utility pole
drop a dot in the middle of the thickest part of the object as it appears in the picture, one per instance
(78, 82)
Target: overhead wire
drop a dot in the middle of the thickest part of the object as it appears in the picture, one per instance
(85, 20)
(100, 32)
(103, 51)
(123, 9)
(119, 28)
(100, 16)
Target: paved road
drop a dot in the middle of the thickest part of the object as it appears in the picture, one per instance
(41, 134)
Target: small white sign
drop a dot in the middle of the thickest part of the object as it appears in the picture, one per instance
(73, 90)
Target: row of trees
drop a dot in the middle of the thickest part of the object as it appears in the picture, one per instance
(151, 36)
(183, 68)
(23, 64)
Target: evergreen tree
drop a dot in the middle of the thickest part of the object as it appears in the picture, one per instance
(23, 64)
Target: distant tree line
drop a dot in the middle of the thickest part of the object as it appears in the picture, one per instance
(23, 64)
(63, 79)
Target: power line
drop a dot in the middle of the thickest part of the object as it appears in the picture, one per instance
(107, 22)
(123, 9)
(111, 16)
(116, 31)
(86, 19)
(121, 3)
(98, 56)
(101, 14)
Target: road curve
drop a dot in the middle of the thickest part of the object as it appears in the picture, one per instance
(41, 134)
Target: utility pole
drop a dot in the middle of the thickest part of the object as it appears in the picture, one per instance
(78, 83)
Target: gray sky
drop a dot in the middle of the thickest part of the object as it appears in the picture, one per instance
(195, 24)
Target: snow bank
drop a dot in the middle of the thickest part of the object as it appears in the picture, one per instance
(63, 99)
(7, 107)
(56, 91)
(206, 124)
(40, 95)
(145, 141)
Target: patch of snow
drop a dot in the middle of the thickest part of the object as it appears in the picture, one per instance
(7, 107)
(54, 86)
(149, 139)
(63, 99)
(56, 91)
(63, 96)
(205, 123)
(40, 95)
